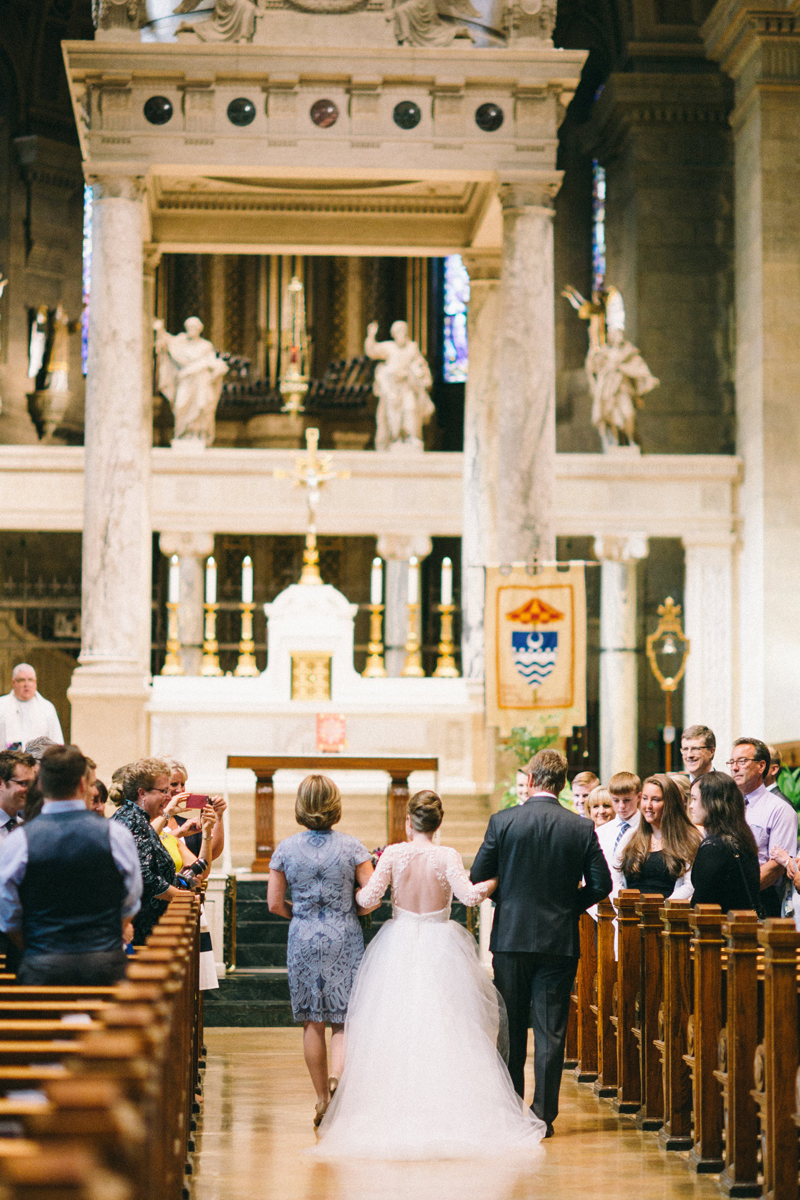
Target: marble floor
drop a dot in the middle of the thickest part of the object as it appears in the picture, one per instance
(257, 1122)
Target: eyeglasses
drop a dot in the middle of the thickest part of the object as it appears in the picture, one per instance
(161, 791)
(738, 762)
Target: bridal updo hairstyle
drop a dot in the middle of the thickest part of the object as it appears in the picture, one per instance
(319, 803)
(425, 812)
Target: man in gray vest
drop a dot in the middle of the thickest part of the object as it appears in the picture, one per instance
(69, 882)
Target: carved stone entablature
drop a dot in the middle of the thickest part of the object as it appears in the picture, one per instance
(328, 6)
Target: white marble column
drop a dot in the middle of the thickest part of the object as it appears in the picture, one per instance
(110, 686)
(525, 363)
(479, 534)
(150, 263)
(619, 691)
(708, 623)
(396, 551)
(192, 549)
(509, 422)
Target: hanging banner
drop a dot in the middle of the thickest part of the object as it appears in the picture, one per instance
(536, 647)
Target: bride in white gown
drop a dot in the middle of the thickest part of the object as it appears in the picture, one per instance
(422, 1076)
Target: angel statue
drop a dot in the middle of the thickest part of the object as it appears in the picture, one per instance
(618, 375)
(421, 23)
(189, 375)
(402, 383)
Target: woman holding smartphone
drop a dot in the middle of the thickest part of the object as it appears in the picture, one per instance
(186, 825)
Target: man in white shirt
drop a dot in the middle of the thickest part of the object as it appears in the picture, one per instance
(24, 714)
(626, 795)
(698, 746)
(772, 820)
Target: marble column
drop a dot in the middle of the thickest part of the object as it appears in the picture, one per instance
(192, 549)
(619, 692)
(510, 423)
(109, 688)
(396, 550)
(708, 623)
(759, 46)
(479, 533)
(150, 263)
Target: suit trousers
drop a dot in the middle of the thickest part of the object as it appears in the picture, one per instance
(98, 968)
(536, 987)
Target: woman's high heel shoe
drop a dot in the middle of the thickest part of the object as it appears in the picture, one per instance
(321, 1109)
(333, 1083)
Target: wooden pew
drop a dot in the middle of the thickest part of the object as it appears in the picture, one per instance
(606, 1084)
(586, 1070)
(676, 1133)
(776, 1060)
(703, 1038)
(651, 1112)
(737, 1048)
(629, 1087)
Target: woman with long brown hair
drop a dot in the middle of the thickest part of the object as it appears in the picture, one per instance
(658, 857)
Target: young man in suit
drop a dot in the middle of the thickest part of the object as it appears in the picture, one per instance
(540, 852)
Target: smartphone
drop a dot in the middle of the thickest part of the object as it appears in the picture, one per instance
(195, 801)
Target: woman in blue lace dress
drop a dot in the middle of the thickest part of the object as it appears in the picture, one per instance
(323, 868)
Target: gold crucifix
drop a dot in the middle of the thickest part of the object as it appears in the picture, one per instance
(311, 471)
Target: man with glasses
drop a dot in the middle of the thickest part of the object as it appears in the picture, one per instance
(772, 820)
(17, 772)
(698, 746)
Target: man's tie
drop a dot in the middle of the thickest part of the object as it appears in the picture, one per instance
(624, 827)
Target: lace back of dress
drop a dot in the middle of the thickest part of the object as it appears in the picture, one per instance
(419, 883)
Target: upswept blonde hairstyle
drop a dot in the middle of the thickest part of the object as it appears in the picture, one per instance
(319, 803)
(425, 812)
(143, 774)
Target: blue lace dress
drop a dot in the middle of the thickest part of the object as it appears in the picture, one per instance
(325, 939)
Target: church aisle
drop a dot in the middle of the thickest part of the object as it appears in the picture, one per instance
(258, 1109)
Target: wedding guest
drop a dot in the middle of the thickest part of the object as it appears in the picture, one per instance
(98, 805)
(698, 746)
(189, 827)
(145, 791)
(581, 786)
(772, 820)
(37, 747)
(521, 786)
(326, 944)
(626, 793)
(17, 773)
(725, 870)
(24, 713)
(775, 768)
(683, 785)
(600, 807)
(659, 854)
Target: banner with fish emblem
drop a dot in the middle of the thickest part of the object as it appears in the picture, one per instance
(536, 646)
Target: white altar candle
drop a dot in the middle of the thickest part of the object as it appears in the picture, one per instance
(413, 581)
(376, 582)
(447, 582)
(174, 580)
(211, 581)
(247, 580)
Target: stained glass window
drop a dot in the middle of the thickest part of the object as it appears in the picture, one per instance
(598, 226)
(87, 273)
(456, 300)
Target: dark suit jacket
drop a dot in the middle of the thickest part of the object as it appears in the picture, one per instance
(540, 852)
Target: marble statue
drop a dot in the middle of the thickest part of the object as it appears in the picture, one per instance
(402, 383)
(48, 363)
(618, 375)
(419, 23)
(189, 375)
(231, 21)
(119, 14)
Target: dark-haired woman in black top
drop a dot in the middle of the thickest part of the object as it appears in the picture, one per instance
(725, 870)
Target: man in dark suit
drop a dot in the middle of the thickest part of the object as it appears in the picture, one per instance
(540, 852)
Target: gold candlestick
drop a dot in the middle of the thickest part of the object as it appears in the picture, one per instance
(375, 668)
(445, 663)
(210, 664)
(246, 666)
(173, 664)
(413, 663)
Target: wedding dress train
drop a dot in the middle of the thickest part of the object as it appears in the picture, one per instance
(422, 1076)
